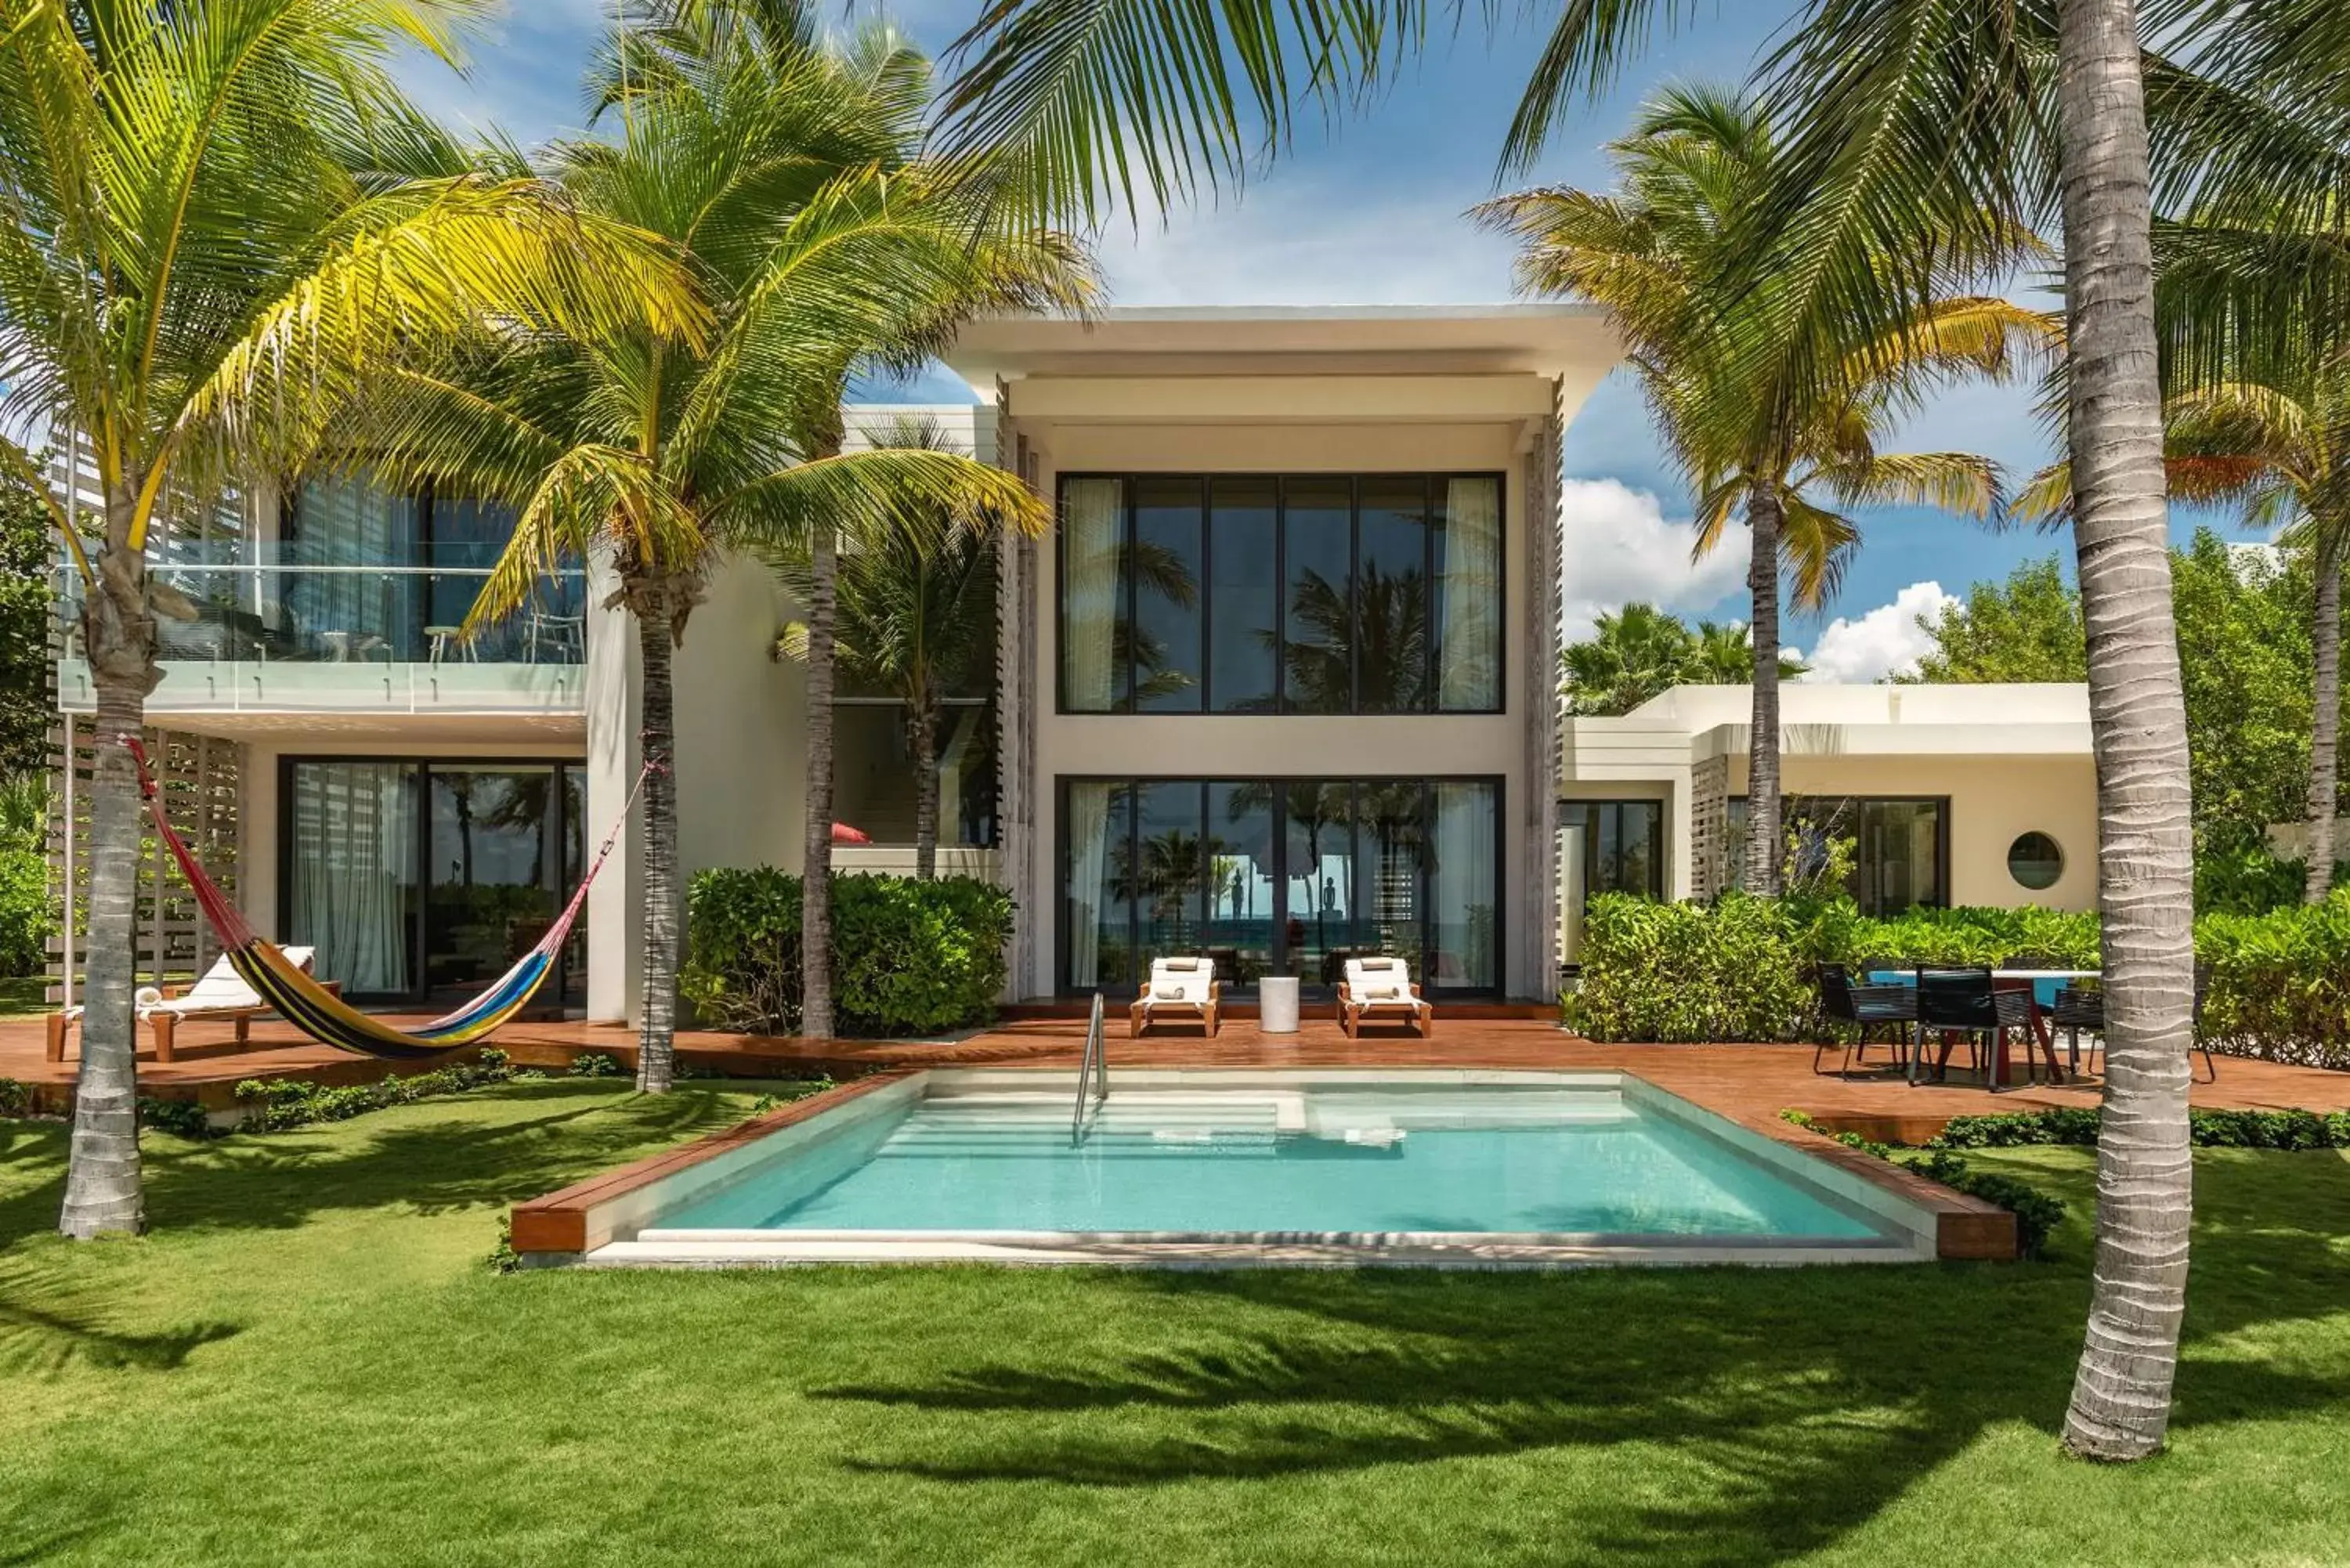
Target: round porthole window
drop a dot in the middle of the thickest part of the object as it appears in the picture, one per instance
(2035, 861)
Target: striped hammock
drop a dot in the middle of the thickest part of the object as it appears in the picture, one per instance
(325, 1017)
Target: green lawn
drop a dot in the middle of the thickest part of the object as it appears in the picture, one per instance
(308, 1363)
(24, 994)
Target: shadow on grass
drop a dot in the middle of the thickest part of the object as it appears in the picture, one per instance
(430, 1158)
(1793, 1405)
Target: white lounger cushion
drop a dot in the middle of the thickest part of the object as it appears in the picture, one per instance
(1382, 982)
(1180, 982)
(222, 989)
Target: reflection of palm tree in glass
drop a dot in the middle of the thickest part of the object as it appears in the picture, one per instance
(1173, 863)
(1157, 570)
(1393, 812)
(521, 807)
(1381, 639)
(1317, 808)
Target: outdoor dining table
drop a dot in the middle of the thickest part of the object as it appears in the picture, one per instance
(2031, 980)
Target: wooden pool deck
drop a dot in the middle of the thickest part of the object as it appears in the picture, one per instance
(1752, 1084)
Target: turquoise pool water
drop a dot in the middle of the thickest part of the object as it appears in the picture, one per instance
(1352, 1159)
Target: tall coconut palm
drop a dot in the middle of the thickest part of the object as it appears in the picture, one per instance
(2282, 454)
(1973, 109)
(222, 218)
(916, 608)
(778, 162)
(1772, 397)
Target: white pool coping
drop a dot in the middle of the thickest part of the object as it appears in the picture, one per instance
(625, 1232)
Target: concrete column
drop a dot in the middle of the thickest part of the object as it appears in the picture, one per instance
(1538, 975)
(616, 903)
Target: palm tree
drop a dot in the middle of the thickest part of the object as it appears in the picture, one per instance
(224, 219)
(916, 610)
(1974, 111)
(1640, 652)
(778, 162)
(1773, 399)
(2282, 454)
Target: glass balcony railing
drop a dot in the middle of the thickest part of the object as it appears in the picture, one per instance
(301, 613)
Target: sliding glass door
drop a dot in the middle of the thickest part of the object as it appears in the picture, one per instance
(421, 880)
(1280, 877)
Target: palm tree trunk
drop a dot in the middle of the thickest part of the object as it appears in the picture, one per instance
(656, 1029)
(2326, 732)
(2121, 1394)
(104, 1191)
(1763, 849)
(922, 740)
(815, 877)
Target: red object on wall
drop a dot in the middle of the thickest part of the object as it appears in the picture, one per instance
(844, 834)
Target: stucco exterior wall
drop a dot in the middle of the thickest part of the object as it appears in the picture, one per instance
(1992, 801)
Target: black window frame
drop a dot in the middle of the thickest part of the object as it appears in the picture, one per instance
(1499, 785)
(560, 828)
(1941, 802)
(1656, 804)
(1122, 686)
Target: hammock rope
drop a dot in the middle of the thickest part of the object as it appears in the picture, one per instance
(325, 1016)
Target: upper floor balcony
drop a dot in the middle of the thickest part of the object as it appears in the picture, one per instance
(353, 602)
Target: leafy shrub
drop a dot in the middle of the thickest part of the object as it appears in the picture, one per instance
(909, 957)
(16, 1097)
(1740, 970)
(276, 1104)
(2280, 982)
(181, 1118)
(2250, 879)
(1731, 971)
(27, 922)
(594, 1064)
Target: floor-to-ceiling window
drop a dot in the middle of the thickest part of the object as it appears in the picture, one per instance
(417, 879)
(1280, 877)
(1622, 845)
(1290, 594)
(1901, 846)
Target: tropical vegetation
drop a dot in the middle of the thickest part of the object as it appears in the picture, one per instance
(914, 615)
(1775, 399)
(225, 220)
(2245, 636)
(1641, 651)
(1740, 970)
(915, 956)
(784, 167)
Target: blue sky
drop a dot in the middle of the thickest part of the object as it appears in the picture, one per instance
(1369, 212)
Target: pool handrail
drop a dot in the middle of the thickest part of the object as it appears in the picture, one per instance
(1093, 1071)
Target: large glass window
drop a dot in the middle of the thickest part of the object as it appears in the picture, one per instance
(1302, 594)
(1622, 845)
(1901, 846)
(417, 880)
(1282, 877)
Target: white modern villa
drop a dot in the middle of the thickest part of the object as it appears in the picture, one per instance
(1280, 687)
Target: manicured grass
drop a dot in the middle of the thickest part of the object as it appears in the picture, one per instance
(307, 1362)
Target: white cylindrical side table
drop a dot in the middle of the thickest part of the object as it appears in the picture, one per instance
(1276, 1004)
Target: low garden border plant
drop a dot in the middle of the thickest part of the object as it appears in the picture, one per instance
(272, 1105)
(2037, 1215)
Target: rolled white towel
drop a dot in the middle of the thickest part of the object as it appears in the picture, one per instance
(146, 997)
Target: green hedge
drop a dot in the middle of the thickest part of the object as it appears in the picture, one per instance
(907, 956)
(1738, 970)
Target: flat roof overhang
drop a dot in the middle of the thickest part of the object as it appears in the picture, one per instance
(1954, 741)
(1542, 340)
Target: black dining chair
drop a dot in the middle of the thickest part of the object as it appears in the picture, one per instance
(1967, 1003)
(1861, 1009)
(2081, 1005)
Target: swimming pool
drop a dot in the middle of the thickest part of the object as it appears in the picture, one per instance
(1220, 1167)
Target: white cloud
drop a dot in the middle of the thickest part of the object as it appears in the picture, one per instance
(1290, 239)
(1619, 547)
(1888, 640)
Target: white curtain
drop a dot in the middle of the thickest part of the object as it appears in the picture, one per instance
(349, 523)
(1088, 818)
(1463, 895)
(354, 849)
(1093, 524)
(1469, 676)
